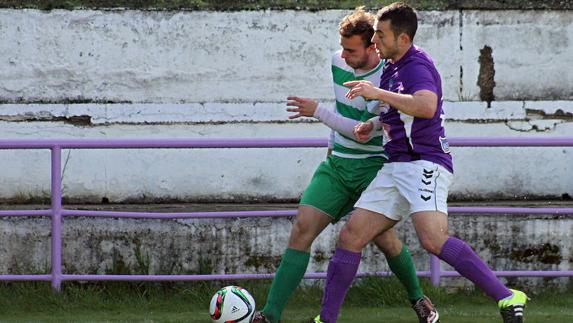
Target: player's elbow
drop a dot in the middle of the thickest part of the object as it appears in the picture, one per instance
(427, 111)
(427, 104)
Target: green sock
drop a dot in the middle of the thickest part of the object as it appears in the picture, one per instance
(403, 267)
(290, 273)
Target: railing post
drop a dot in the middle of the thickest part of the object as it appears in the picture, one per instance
(435, 270)
(56, 190)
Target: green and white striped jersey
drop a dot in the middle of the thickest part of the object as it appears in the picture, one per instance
(356, 109)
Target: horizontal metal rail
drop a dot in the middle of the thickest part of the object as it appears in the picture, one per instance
(57, 212)
(258, 143)
(316, 275)
(263, 214)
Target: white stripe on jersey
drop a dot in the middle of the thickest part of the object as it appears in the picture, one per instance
(340, 92)
(356, 156)
(339, 139)
(408, 121)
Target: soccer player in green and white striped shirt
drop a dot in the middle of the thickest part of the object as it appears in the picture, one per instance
(342, 143)
(340, 179)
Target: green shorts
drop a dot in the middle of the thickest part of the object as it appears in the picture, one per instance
(338, 182)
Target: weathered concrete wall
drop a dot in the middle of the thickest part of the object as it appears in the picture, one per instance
(270, 174)
(260, 56)
(103, 246)
(133, 74)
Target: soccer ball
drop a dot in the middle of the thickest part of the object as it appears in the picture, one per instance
(232, 304)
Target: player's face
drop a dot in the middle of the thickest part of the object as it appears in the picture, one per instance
(354, 53)
(385, 41)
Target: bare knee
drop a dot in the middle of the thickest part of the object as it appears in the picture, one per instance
(351, 239)
(301, 237)
(308, 225)
(432, 230)
(389, 244)
(433, 245)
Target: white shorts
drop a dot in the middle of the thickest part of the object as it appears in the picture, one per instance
(403, 188)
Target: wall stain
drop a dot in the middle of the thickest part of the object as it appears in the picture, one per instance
(320, 256)
(486, 75)
(80, 120)
(558, 114)
(545, 254)
(270, 263)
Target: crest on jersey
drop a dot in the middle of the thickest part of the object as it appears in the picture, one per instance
(445, 145)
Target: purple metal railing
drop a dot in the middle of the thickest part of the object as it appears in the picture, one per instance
(57, 212)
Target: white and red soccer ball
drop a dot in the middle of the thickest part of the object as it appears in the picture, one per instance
(232, 304)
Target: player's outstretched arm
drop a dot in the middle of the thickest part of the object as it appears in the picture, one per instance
(304, 107)
(422, 104)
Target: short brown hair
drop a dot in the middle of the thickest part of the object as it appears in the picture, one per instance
(361, 23)
(403, 19)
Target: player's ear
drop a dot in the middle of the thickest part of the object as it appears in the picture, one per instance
(404, 39)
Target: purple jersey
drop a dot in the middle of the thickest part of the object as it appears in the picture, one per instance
(411, 138)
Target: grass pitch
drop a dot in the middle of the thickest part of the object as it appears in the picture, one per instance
(370, 300)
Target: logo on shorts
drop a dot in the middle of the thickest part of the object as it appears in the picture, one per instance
(427, 180)
(428, 173)
(426, 193)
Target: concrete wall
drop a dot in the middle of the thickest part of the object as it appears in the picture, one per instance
(126, 246)
(126, 74)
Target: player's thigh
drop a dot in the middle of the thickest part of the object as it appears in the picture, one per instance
(327, 192)
(362, 227)
(382, 196)
(308, 224)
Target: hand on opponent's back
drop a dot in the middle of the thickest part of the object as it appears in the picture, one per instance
(365, 89)
(363, 131)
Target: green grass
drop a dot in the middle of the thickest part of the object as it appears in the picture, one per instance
(370, 300)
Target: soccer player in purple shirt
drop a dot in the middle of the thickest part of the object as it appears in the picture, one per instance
(416, 179)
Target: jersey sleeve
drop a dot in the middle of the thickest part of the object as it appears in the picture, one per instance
(417, 77)
(335, 121)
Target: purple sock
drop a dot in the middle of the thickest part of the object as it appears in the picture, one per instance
(341, 271)
(459, 255)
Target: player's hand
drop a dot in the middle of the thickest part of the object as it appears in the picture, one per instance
(364, 89)
(363, 130)
(303, 107)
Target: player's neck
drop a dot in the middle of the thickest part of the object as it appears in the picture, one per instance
(373, 61)
(401, 54)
